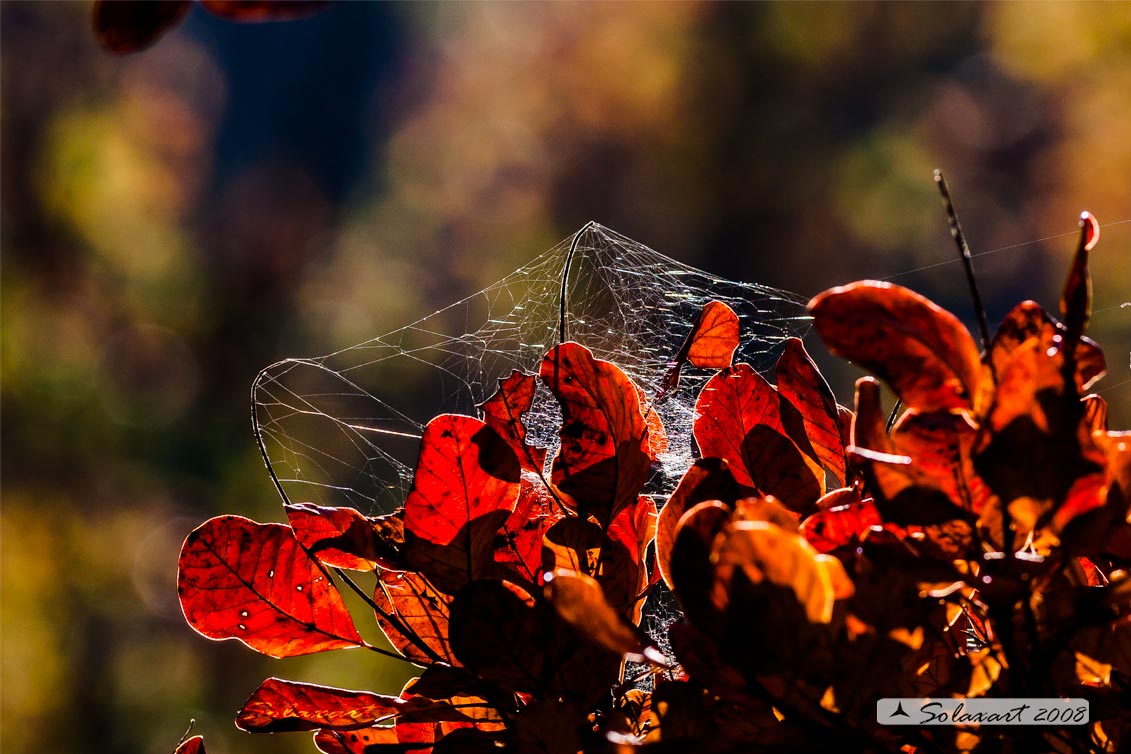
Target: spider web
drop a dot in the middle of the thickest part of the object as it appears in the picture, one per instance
(344, 429)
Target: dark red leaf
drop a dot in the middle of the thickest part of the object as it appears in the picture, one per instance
(365, 741)
(738, 417)
(604, 457)
(194, 745)
(692, 572)
(533, 515)
(706, 479)
(503, 413)
(1076, 300)
(124, 26)
(615, 561)
(496, 632)
(421, 613)
(339, 537)
(466, 485)
(579, 600)
(922, 351)
(941, 447)
(253, 582)
(264, 10)
(802, 385)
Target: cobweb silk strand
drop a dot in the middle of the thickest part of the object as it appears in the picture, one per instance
(344, 428)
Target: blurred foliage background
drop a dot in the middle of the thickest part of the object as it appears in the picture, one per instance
(176, 219)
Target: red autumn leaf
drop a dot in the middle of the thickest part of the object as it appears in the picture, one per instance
(194, 745)
(495, 631)
(800, 382)
(831, 528)
(941, 447)
(657, 435)
(706, 479)
(279, 706)
(738, 418)
(421, 617)
(124, 26)
(263, 10)
(339, 537)
(576, 545)
(604, 457)
(242, 580)
(503, 413)
(466, 484)
(533, 515)
(921, 350)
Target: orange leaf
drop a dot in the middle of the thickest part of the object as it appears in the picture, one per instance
(604, 459)
(465, 486)
(738, 417)
(941, 447)
(1076, 300)
(922, 351)
(1029, 322)
(421, 609)
(714, 339)
(503, 413)
(579, 600)
(253, 582)
(801, 383)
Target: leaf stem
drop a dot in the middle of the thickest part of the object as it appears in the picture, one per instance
(565, 280)
(397, 623)
(967, 259)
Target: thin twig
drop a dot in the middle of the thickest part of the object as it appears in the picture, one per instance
(967, 260)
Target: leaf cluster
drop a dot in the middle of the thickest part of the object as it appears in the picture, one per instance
(822, 560)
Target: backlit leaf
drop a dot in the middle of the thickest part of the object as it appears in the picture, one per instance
(503, 412)
(422, 612)
(381, 739)
(242, 580)
(465, 486)
(339, 537)
(124, 26)
(603, 461)
(832, 528)
(922, 351)
(520, 549)
(194, 745)
(1076, 299)
(710, 345)
(1029, 321)
(738, 417)
(802, 385)
(279, 705)
(714, 339)
(692, 570)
